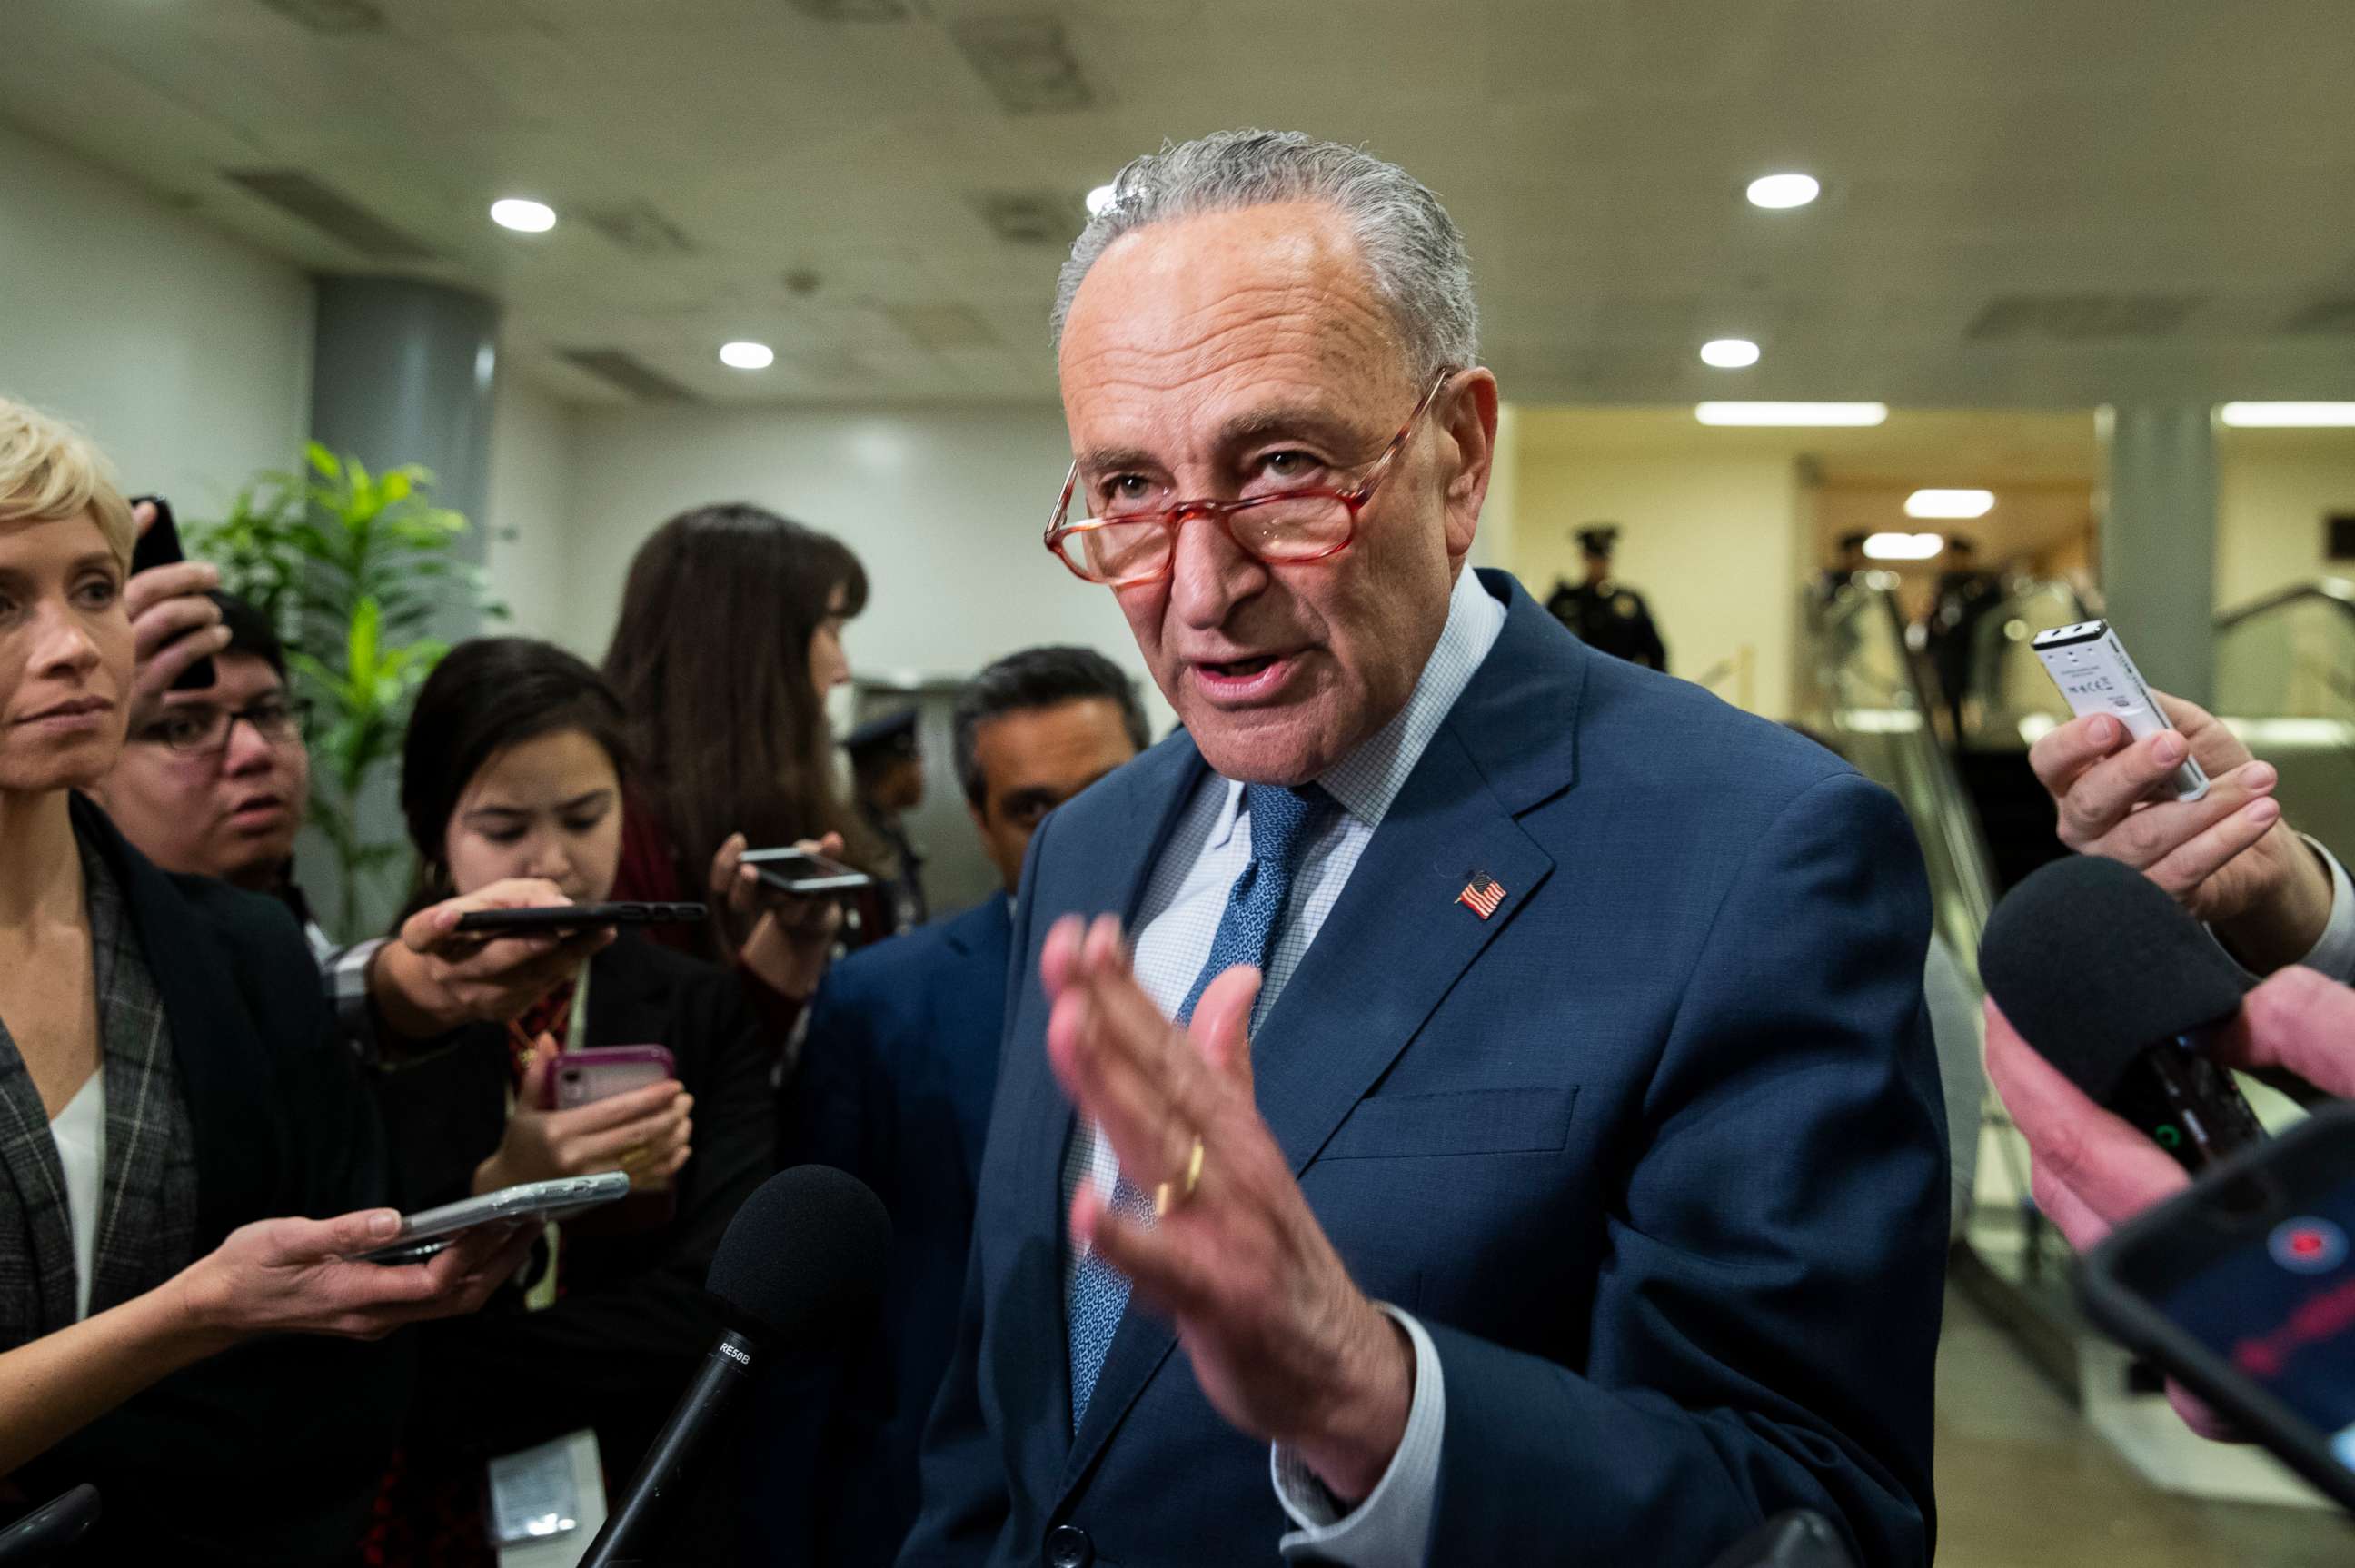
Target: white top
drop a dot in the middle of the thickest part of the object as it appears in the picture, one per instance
(81, 1133)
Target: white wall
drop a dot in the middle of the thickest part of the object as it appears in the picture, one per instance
(2273, 493)
(944, 507)
(184, 353)
(527, 515)
(1710, 541)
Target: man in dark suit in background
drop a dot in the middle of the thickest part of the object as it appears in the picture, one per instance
(894, 1086)
(1519, 1105)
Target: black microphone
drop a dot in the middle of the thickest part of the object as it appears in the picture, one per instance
(2112, 983)
(806, 1254)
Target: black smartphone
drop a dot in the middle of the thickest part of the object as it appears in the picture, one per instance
(579, 917)
(2243, 1288)
(799, 871)
(160, 546)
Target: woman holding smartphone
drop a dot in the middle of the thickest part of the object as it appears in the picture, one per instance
(729, 640)
(514, 768)
(165, 1079)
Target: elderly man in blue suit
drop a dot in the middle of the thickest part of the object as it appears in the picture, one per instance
(894, 1086)
(1465, 1100)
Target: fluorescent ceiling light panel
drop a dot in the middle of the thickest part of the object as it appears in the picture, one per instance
(1791, 413)
(2289, 416)
(523, 216)
(1778, 192)
(747, 356)
(1729, 353)
(1950, 503)
(1903, 546)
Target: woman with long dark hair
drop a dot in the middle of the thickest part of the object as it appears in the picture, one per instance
(729, 638)
(513, 776)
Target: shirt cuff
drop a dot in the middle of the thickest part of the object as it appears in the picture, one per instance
(1391, 1529)
(2334, 953)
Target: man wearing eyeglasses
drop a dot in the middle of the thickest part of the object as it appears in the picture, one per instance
(1465, 1099)
(215, 784)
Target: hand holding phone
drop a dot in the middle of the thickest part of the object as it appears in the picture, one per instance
(791, 933)
(426, 1233)
(434, 978)
(176, 629)
(645, 1134)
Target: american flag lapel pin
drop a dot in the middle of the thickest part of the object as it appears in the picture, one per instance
(1482, 893)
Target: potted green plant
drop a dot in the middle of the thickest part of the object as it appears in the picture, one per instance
(351, 568)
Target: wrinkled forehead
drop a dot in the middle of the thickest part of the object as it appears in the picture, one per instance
(1188, 322)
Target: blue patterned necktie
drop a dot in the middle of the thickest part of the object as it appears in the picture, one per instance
(1246, 933)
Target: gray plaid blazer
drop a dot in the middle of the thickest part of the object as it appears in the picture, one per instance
(147, 1213)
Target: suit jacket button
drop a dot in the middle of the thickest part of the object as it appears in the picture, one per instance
(1068, 1546)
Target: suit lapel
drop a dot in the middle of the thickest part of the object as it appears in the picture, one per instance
(1397, 940)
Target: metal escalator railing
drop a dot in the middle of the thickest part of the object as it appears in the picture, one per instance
(2009, 699)
(2286, 680)
(1868, 700)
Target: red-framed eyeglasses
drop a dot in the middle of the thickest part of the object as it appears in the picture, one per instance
(1286, 528)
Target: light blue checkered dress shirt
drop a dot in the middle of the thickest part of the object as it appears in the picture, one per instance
(1175, 925)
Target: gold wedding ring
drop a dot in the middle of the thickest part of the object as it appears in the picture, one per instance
(1162, 1201)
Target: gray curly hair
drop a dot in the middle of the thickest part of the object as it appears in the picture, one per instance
(1411, 247)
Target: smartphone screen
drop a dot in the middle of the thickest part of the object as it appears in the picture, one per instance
(2278, 1308)
(2243, 1286)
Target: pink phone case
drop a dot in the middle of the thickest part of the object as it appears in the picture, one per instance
(583, 1077)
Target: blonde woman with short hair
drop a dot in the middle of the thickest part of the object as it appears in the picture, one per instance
(167, 1083)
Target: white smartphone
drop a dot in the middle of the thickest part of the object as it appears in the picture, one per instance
(428, 1231)
(2090, 665)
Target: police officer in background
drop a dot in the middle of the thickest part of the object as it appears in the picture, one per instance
(888, 768)
(1606, 615)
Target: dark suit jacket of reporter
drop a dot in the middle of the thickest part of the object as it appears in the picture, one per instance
(893, 1086)
(617, 1348)
(1656, 1152)
(269, 1453)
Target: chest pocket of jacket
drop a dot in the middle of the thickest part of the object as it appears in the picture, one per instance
(1468, 1121)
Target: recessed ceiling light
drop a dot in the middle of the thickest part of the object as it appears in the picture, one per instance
(1950, 503)
(523, 216)
(1099, 199)
(1903, 546)
(1776, 192)
(1730, 352)
(2289, 416)
(747, 356)
(1792, 413)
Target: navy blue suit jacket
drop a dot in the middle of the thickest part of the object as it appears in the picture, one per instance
(894, 1086)
(1656, 1152)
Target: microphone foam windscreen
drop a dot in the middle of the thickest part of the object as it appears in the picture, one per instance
(2091, 961)
(807, 1251)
